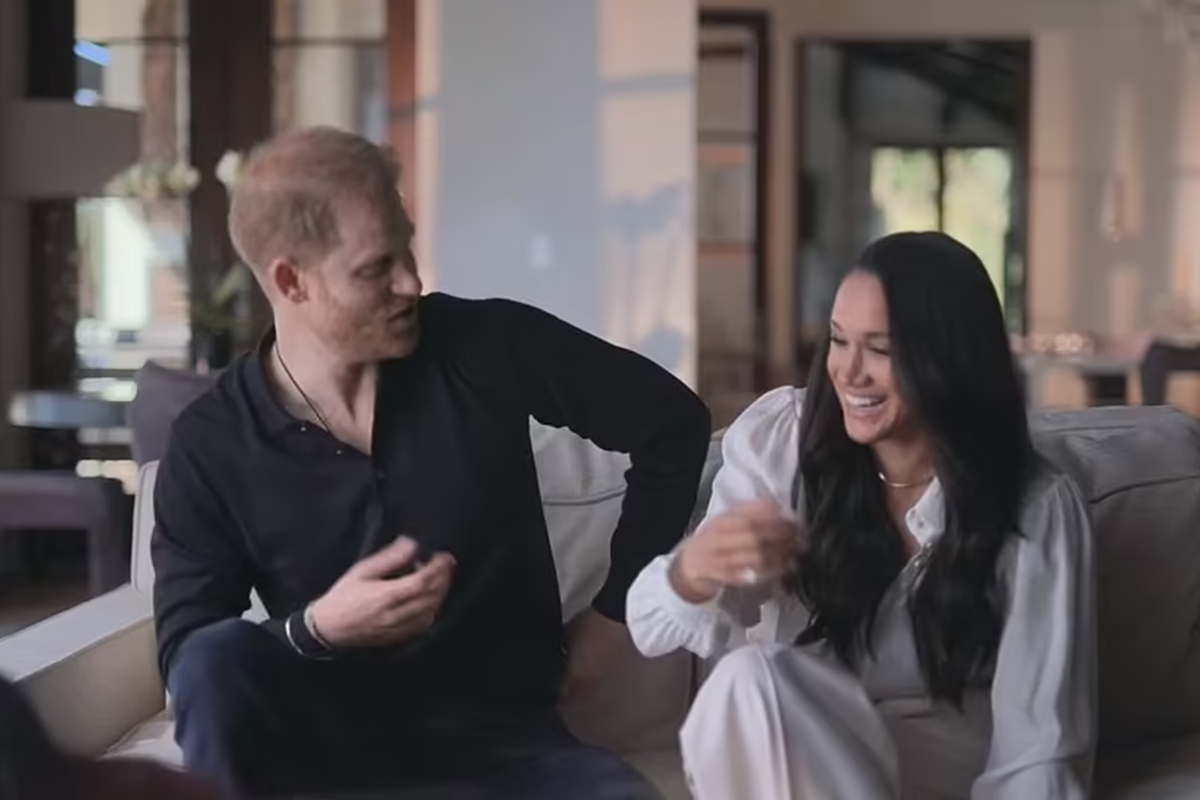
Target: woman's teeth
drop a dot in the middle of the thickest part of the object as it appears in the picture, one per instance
(858, 401)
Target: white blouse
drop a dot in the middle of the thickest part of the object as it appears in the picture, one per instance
(1043, 690)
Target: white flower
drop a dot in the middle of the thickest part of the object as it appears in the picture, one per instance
(182, 178)
(228, 168)
(155, 180)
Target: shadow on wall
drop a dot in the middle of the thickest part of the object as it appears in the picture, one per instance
(649, 280)
(533, 199)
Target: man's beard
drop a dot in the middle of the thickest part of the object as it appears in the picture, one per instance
(378, 343)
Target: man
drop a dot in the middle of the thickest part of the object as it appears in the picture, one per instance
(368, 471)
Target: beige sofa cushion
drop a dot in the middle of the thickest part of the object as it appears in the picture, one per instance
(1139, 469)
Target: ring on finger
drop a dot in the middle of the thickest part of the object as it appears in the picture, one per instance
(749, 576)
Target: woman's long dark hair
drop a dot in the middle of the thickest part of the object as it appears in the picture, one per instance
(955, 370)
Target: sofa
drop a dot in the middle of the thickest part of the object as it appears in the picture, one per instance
(91, 670)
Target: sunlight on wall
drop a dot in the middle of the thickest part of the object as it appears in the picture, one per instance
(648, 57)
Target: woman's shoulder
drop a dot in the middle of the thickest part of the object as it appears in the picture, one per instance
(778, 409)
(763, 442)
(1053, 507)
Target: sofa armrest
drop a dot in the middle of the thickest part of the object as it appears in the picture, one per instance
(90, 671)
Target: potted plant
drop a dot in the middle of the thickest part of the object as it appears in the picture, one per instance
(218, 314)
(217, 319)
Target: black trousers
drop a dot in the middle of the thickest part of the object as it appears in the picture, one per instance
(263, 722)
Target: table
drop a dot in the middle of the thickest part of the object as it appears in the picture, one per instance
(50, 501)
(60, 410)
(1105, 376)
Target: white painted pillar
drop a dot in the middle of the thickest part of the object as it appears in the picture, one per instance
(556, 162)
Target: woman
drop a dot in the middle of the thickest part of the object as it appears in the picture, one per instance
(916, 584)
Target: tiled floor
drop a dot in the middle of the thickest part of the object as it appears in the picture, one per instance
(23, 606)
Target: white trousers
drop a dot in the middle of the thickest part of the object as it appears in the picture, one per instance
(774, 722)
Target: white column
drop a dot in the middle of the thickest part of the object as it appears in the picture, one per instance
(326, 79)
(1052, 185)
(556, 162)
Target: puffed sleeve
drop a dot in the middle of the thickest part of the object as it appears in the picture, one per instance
(1044, 687)
(760, 457)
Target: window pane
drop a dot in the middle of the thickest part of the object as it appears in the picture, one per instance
(904, 190)
(339, 85)
(133, 283)
(977, 204)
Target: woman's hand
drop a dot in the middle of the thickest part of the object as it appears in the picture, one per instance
(744, 546)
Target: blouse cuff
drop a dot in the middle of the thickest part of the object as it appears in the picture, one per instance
(662, 621)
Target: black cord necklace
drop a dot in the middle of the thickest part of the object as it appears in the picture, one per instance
(308, 401)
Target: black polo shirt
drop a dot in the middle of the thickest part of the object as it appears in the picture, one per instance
(250, 497)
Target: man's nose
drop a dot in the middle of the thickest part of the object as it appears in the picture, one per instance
(405, 281)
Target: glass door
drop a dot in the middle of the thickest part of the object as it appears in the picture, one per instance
(965, 192)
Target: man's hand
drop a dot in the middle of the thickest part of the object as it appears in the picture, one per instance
(371, 607)
(595, 645)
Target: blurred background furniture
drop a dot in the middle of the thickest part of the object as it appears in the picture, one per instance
(1105, 377)
(65, 411)
(1161, 362)
(50, 502)
(162, 393)
(46, 502)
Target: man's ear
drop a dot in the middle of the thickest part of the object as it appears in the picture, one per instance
(283, 276)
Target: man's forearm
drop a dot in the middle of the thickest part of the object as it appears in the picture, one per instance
(623, 402)
(659, 501)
